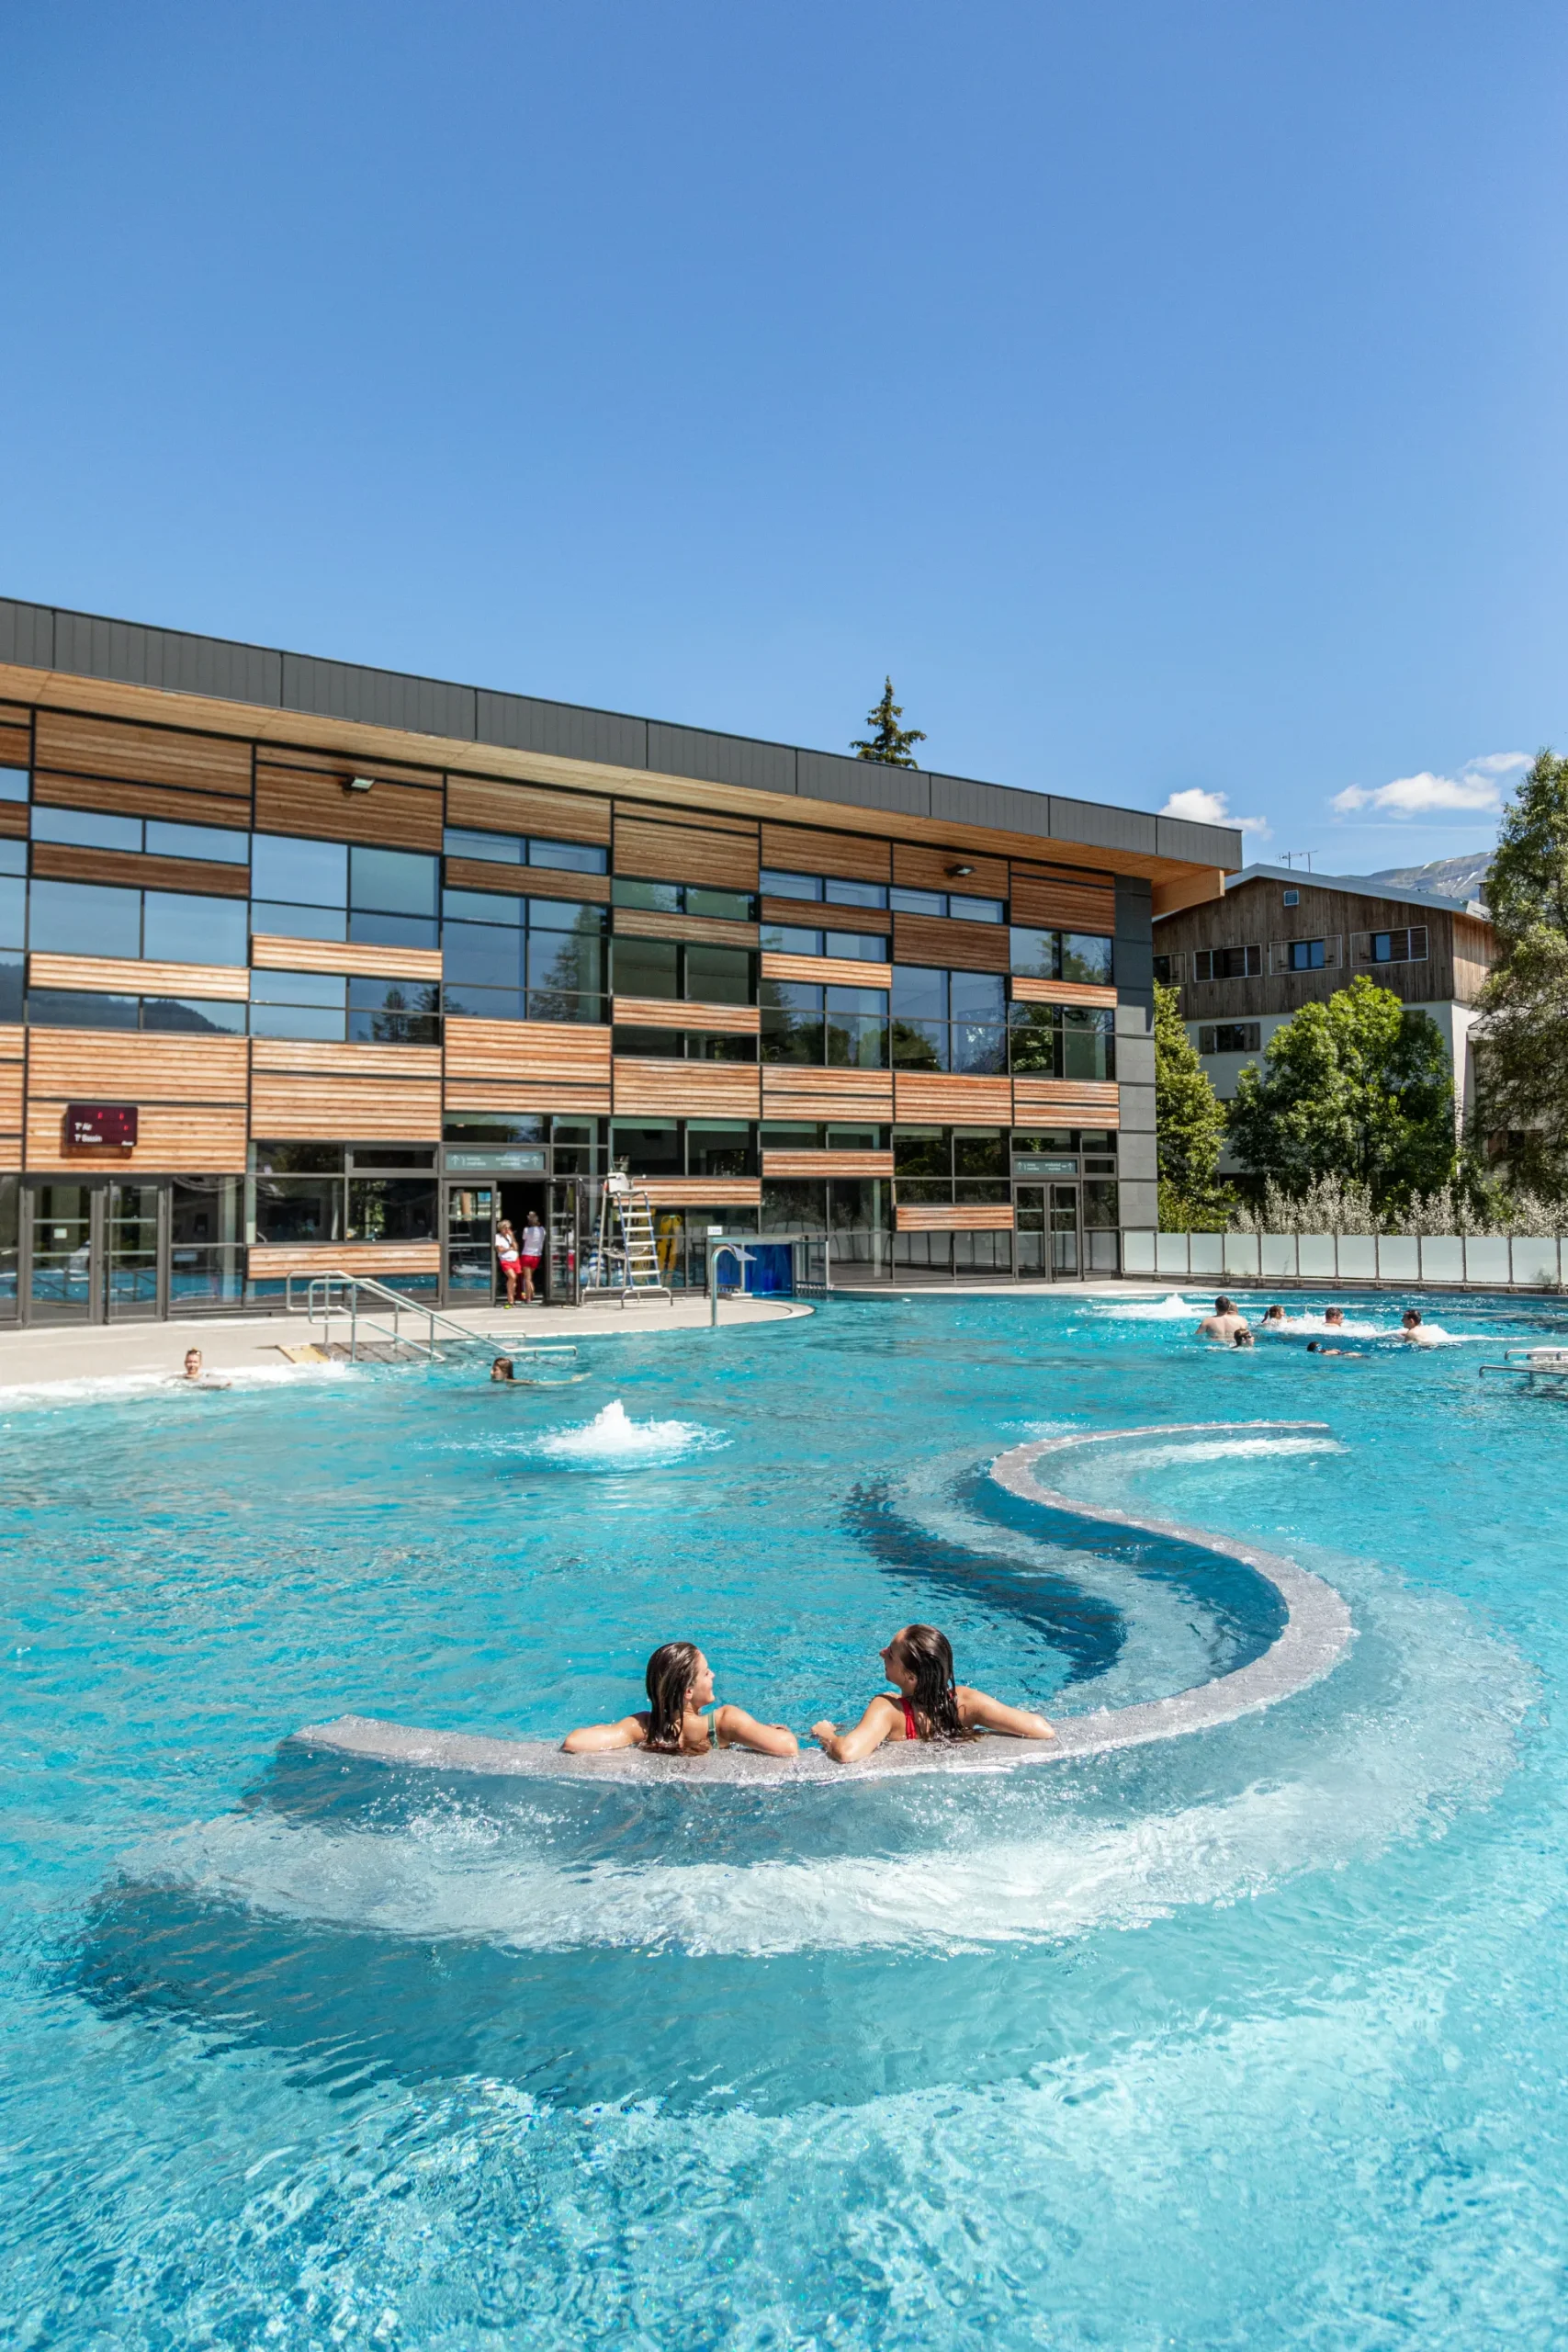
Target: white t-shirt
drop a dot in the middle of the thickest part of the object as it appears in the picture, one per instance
(533, 1241)
(505, 1246)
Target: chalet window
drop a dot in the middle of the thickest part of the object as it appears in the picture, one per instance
(1227, 963)
(1170, 970)
(1303, 955)
(1231, 1038)
(1391, 946)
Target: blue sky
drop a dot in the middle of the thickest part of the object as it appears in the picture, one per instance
(1169, 396)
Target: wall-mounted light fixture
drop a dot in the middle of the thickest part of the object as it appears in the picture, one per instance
(358, 783)
(956, 870)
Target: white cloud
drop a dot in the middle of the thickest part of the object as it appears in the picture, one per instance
(1477, 790)
(1202, 808)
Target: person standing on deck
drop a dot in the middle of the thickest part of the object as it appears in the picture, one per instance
(532, 1251)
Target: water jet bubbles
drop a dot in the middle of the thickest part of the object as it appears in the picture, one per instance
(614, 1440)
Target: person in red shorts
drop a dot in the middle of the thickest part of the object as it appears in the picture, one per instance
(533, 1251)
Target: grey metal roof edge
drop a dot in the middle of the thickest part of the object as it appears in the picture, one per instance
(236, 670)
(1360, 884)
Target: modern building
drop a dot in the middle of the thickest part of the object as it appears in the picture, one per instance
(1275, 940)
(305, 965)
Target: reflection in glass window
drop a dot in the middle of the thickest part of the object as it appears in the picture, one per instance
(13, 784)
(1063, 955)
(82, 1008)
(774, 882)
(394, 1013)
(792, 1028)
(10, 987)
(215, 842)
(196, 1015)
(68, 917)
(277, 920)
(86, 828)
(299, 1208)
(393, 881)
(312, 873)
(1063, 1041)
(13, 910)
(391, 1208)
(178, 929)
(855, 894)
(718, 975)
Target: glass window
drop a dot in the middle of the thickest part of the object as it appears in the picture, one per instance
(976, 1051)
(857, 1028)
(917, 902)
(855, 894)
(856, 946)
(391, 1208)
(491, 1126)
(13, 857)
(299, 1208)
(277, 922)
(720, 1148)
(1034, 953)
(652, 1148)
(1101, 1205)
(86, 828)
(569, 857)
(977, 996)
(86, 918)
(919, 992)
(81, 1009)
(10, 987)
(1085, 957)
(567, 915)
(197, 840)
(922, 1151)
(393, 881)
(297, 1159)
(13, 784)
(13, 910)
(721, 1045)
(977, 909)
(720, 974)
(979, 1152)
(1088, 1042)
(313, 874)
(483, 906)
(789, 939)
(775, 883)
(200, 1014)
(918, 1045)
(1033, 1038)
(393, 930)
(485, 1005)
(326, 1022)
(654, 897)
(299, 988)
(393, 1013)
(182, 930)
(1304, 954)
(476, 954)
(661, 1044)
(792, 1027)
(565, 961)
(495, 849)
(720, 906)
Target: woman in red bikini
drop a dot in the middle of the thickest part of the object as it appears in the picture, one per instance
(929, 1704)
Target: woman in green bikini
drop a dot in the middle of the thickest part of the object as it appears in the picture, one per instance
(675, 1722)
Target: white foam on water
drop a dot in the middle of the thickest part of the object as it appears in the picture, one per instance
(115, 1387)
(1174, 1309)
(1224, 1449)
(613, 1436)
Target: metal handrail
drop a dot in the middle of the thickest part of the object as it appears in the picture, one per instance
(322, 1299)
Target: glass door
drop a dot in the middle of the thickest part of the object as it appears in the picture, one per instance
(564, 1252)
(67, 1229)
(1063, 1232)
(131, 1250)
(471, 1245)
(1028, 1219)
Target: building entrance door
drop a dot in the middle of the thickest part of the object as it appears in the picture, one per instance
(471, 1211)
(1046, 1216)
(95, 1251)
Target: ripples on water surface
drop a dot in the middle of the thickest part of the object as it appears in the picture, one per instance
(1253, 2038)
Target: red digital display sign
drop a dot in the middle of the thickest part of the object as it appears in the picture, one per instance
(90, 1124)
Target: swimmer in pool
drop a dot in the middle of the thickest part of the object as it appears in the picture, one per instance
(1274, 1319)
(195, 1375)
(930, 1705)
(501, 1370)
(1225, 1322)
(1410, 1328)
(1242, 1338)
(1316, 1348)
(1334, 1318)
(676, 1722)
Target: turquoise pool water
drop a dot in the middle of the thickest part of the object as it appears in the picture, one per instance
(1255, 2038)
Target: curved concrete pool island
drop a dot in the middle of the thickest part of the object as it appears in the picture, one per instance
(1315, 1633)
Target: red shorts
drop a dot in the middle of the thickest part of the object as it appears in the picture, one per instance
(529, 1262)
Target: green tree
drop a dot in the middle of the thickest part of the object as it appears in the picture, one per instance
(891, 742)
(1358, 1088)
(1522, 1059)
(1189, 1127)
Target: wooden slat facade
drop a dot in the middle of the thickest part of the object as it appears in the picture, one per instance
(128, 976)
(527, 881)
(12, 1047)
(13, 820)
(1253, 914)
(1025, 990)
(172, 1138)
(670, 1089)
(807, 849)
(60, 862)
(792, 1091)
(827, 1164)
(653, 814)
(923, 1097)
(492, 807)
(338, 1110)
(954, 1216)
(725, 861)
(919, 868)
(636, 922)
(1051, 901)
(142, 755)
(561, 1052)
(394, 1064)
(817, 915)
(532, 1094)
(679, 1012)
(702, 1192)
(129, 1066)
(390, 816)
(827, 971)
(271, 954)
(1061, 1102)
(961, 946)
(272, 1261)
(122, 797)
(16, 741)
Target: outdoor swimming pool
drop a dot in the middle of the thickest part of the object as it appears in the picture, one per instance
(1255, 2037)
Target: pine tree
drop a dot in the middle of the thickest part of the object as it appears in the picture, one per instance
(1189, 1125)
(1522, 1064)
(891, 742)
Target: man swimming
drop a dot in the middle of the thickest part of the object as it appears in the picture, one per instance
(1225, 1322)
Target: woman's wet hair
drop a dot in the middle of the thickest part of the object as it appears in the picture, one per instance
(929, 1656)
(670, 1673)
(1242, 1339)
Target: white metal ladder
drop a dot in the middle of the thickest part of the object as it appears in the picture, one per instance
(633, 1244)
